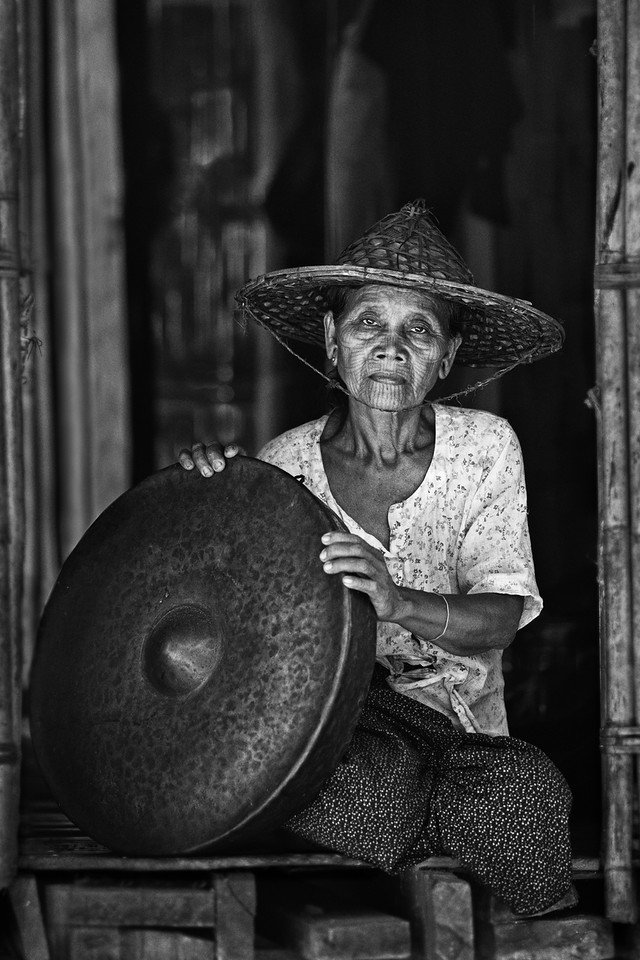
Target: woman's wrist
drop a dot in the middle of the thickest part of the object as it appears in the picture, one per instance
(405, 608)
(422, 613)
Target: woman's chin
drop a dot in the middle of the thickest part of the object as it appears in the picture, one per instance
(387, 397)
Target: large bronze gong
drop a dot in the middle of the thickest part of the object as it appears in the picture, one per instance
(197, 674)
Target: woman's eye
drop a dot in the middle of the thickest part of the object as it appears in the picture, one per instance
(368, 321)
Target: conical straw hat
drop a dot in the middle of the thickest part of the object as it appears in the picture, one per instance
(405, 249)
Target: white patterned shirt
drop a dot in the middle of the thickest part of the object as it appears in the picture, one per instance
(463, 530)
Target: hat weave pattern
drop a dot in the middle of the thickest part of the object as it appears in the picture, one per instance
(407, 250)
(408, 242)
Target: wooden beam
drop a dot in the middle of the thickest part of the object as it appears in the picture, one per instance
(25, 900)
(441, 914)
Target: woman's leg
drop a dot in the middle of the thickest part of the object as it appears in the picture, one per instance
(501, 808)
(373, 805)
(410, 786)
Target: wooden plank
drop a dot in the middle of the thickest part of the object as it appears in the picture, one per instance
(89, 943)
(586, 867)
(573, 938)
(270, 954)
(333, 936)
(69, 853)
(319, 925)
(108, 905)
(25, 901)
(165, 945)
(493, 910)
(235, 904)
(66, 851)
(55, 907)
(441, 912)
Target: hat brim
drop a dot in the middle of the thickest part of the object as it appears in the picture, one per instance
(496, 330)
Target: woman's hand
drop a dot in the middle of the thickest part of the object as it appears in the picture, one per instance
(363, 568)
(464, 625)
(208, 458)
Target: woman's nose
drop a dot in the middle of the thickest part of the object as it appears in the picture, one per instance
(390, 349)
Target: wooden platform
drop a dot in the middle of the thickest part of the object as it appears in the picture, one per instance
(76, 900)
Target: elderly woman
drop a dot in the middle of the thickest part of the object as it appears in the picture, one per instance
(434, 501)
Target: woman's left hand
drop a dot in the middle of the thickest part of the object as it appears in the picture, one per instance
(363, 568)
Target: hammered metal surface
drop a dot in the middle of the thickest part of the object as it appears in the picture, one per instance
(148, 769)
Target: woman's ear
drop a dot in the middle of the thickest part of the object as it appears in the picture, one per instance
(447, 361)
(331, 344)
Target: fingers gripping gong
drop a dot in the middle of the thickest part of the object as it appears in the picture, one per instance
(208, 458)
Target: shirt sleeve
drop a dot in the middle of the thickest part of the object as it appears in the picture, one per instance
(292, 451)
(280, 452)
(495, 555)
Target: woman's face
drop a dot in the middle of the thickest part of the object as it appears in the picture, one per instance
(391, 346)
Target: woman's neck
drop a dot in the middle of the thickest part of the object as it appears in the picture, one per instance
(383, 436)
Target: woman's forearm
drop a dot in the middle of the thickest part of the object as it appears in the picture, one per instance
(477, 622)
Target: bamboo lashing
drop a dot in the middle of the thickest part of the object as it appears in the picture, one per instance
(11, 498)
(621, 740)
(613, 276)
(617, 620)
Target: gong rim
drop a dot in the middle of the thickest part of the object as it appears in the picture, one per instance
(327, 734)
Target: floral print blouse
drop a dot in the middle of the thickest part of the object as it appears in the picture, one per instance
(463, 530)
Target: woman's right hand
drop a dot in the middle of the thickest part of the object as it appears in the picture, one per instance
(208, 458)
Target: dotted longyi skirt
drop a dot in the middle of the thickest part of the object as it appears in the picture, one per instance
(411, 786)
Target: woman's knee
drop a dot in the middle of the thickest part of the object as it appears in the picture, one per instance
(530, 769)
(508, 774)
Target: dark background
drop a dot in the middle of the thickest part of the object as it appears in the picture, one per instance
(490, 116)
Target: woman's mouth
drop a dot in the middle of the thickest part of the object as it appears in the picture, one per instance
(386, 377)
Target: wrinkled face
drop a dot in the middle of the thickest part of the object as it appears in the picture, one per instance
(391, 346)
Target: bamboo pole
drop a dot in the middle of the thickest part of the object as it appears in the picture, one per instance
(69, 275)
(614, 534)
(102, 208)
(29, 607)
(88, 265)
(11, 501)
(44, 515)
(41, 564)
(632, 258)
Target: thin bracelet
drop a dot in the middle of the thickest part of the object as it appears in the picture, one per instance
(446, 623)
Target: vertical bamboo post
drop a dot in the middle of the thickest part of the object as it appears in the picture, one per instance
(41, 562)
(11, 501)
(632, 258)
(614, 546)
(102, 207)
(70, 274)
(86, 188)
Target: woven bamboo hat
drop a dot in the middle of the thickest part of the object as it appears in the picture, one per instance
(405, 249)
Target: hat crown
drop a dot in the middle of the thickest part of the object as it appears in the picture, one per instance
(408, 241)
